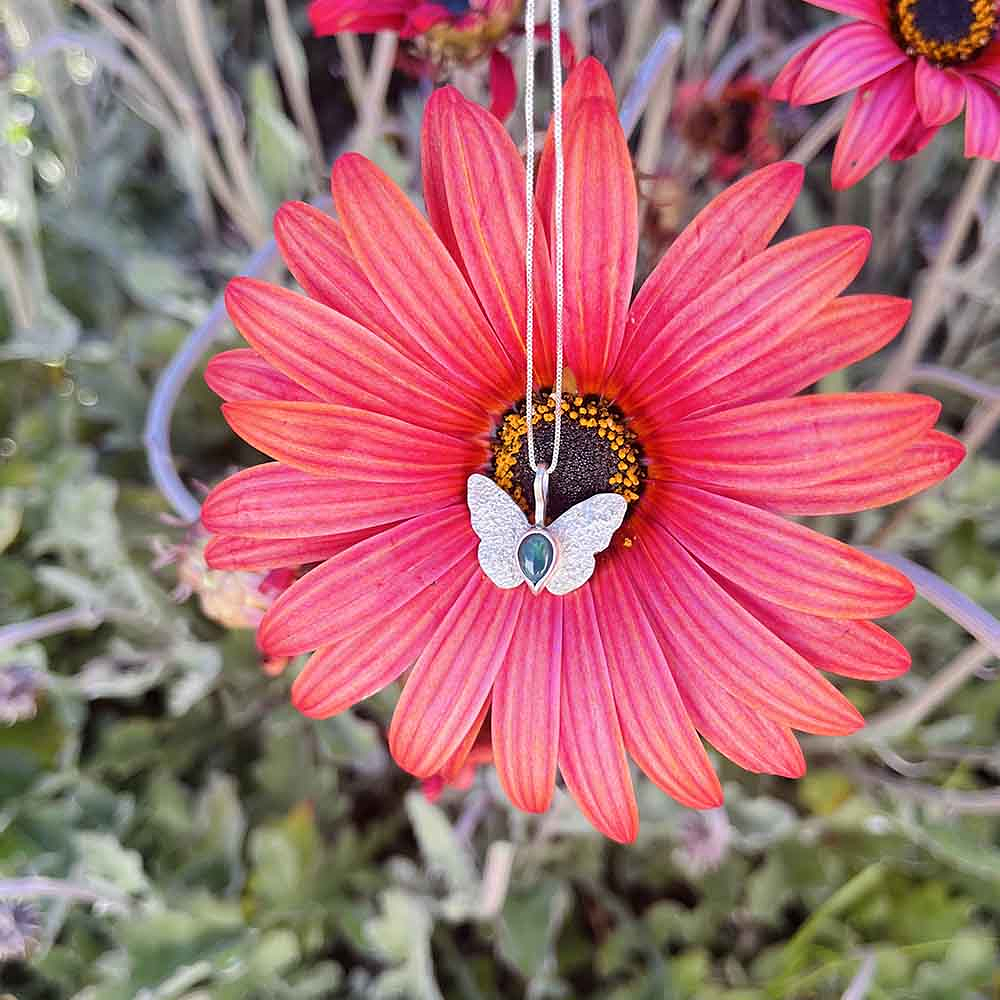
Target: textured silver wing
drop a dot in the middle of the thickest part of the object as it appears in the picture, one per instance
(499, 523)
(581, 532)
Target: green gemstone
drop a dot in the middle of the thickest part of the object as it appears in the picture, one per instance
(535, 555)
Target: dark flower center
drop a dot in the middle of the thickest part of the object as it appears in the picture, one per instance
(945, 32)
(456, 6)
(598, 452)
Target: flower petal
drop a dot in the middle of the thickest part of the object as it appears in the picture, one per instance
(330, 17)
(591, 749)
(940, 94)
(366, 583)
(276, 501)
(233, 552)
(419, 282)
(846, 330)
(921, 465)
(987, 65)
(354, 667)
(503, 85)
(850, 648)
(872, 11)
(340, 361)
(880, 116)
(454, 676)
(704, 628)
(319, 257)
(982, 120)
(770, 446)
(244, 374)
(748, 312)
(326, 439)
(735, 226)
(526, 706)
(916, 138)
(655, 725)
(844, 59)
(782, 562)
(781, 88)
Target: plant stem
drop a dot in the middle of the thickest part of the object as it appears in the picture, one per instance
(821, 132)
(51, 624)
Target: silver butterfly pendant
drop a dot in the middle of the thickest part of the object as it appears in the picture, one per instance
(558, 557)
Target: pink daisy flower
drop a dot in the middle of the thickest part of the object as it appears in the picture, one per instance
(917, 64)
(402, 373)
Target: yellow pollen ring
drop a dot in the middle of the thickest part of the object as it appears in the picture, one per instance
(940, 52)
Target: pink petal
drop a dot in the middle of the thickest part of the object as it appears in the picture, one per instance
(655, 725)
(526, 706)
(419, 282)
(367, 583)
(735, 226)
(340, 361)
(244, 374)
(940, 94)
(354, 667)
(326, 439)
(503, 85)
(848, 329)
(591, 749)
(704, 629)
(232, 552)
(782, 562)
(987, 65)
(880, 117)
(917, 137)
(768, 447)
(330, 17)
(982, 120)
(844, 59)
(784, 82)
(274, 501)
(454, 676)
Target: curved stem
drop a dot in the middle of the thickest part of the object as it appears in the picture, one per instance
(51, 624)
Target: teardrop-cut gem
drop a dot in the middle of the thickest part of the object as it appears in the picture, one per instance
(535, 556)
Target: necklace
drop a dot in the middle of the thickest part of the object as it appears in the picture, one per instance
(558, 557)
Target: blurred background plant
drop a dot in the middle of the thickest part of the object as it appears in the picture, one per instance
(169, 826)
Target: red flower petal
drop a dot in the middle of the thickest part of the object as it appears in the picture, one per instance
(655, 725)
(317, 253)
(353, 668)
(748, 312)
(922, 465)
(765, 448)
(844, 59)
(982, 120)
(734, 227)
(244, 374)
(845, 331)
(880, 117)
(367, 583)
(275, 501)
(326, 439)
(591, 749)
(233, 552)
(782, 562)
(526, 706)
(503, 85)
(340, 361)
(705, 630)
(419, 282)
(987, 65)
(454, 676)
(940, 94)
(330, 17)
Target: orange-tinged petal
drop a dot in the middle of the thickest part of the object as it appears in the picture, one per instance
(451, 770)
(244, 374)
(234, 552)
(326, 439)
(770, 446)
(366, 583)
(359, 665)
(525, 722)
(656, 727)
(276, 501)
(419, 282)
(341, 361)
(454, 676)
(783, 562)
(591, 749)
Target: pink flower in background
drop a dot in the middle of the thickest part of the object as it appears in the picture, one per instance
(917, 65)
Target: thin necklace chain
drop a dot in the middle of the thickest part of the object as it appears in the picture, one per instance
(529, 247)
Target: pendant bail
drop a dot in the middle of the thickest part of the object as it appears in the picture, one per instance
(541, 493)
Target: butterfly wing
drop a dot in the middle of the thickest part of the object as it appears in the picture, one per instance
(499, 523)
(581, 532)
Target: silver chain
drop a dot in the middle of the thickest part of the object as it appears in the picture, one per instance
(529, 246)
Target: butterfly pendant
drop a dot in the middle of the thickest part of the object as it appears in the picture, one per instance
(558, 557)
